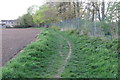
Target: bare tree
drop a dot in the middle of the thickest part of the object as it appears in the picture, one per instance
(103, 10)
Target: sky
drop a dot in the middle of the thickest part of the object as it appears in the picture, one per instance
(12, 9)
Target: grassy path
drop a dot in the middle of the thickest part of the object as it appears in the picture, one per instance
(61, 70)
(65, 55)
(41, 59)
(91, 57)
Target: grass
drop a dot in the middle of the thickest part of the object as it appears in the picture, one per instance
(40, 59)
(91, 57)
(0, 73)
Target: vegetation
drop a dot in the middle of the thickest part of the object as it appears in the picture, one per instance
(41, 59)
(25, 21)
(91, 57)
(45, 15)
(0, 73)
(100, 15)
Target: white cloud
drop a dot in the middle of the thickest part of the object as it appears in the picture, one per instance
(11, 9)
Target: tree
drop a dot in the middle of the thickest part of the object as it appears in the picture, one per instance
(45, 15)
(113, 14)
(26, 20)
(103, 10)
(32, 9)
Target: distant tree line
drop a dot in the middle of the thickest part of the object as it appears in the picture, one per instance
(56, 11)
(51, 12)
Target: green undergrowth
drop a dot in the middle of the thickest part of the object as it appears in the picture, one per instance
(41, 59)
(91, 57)
(0, 73)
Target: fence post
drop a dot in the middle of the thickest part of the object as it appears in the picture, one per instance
(95, 26)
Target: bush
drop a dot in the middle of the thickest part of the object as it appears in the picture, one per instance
(84, 31)
(22, 26)
(72, 31)
(55, 27)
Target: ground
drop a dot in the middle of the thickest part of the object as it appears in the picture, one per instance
(13, 40)
(64, 54)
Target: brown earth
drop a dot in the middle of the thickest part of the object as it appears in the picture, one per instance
(14, 40)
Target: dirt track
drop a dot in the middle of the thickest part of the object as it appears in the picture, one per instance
(13, 40)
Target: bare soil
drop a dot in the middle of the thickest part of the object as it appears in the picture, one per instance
(14, 40)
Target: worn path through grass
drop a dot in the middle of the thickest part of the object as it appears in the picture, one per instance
(65, 54)
(61, 69)
(41, 59)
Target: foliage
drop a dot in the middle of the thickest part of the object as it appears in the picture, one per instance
(84, 31)
(92, 58)
(106, 27)
(26, 20)
(41, 59)
(55, 27)
(0, 73)
(32, 9)
(45, 15)
(113, 12)
(72, 31)
(106, 13)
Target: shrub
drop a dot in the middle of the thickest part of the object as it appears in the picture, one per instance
(55, 27)
(84, 31)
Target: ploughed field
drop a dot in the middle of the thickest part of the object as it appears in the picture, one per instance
(14, 40)
(65, 54)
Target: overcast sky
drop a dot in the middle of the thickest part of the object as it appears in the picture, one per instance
(12, 9)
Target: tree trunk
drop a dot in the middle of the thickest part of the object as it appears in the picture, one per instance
(93, 12)
(74, 5)
(78, 9)
(99, 14)
(103, 10)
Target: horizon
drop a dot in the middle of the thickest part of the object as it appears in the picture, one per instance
(12, 9)
(15, 9)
